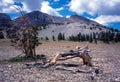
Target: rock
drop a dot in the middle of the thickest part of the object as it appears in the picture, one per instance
(9, 66)
(1, 70)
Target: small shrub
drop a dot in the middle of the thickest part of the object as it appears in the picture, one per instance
(19, 59)
(26, 58)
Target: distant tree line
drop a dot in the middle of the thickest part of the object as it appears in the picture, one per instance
(83, 37)
(105, 37)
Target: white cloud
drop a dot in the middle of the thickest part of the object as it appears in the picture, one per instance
(67, 16)
(30, 5)
(59, 9)
(49, 10)
(56, 0)
(36, 5)
(108, 11)
(7, 2)
(25, 7)
(106, 19)
(11, 9)
(5, 5)
(102, 7)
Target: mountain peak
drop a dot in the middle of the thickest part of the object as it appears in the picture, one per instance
(37, 18)
(74, 16)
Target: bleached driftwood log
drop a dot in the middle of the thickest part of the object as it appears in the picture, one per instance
(80, 52)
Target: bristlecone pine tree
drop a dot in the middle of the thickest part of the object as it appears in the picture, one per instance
(27, 39)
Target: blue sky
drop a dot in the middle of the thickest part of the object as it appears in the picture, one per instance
(106, 12)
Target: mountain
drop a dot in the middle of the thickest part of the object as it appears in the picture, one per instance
(77, 18)
(4, 24)
(51, 25)
(4, 20)
(37, 18)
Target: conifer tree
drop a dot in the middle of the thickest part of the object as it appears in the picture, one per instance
(94, 38)
(90, 38)
(46, 38)
(79, 37)
(60, 36)
(53, 38)
(26, 38)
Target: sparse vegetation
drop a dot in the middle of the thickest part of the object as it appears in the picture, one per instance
(24, 58)
(18, 59)
(104, 56)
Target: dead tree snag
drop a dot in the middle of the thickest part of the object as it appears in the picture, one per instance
(80, 52)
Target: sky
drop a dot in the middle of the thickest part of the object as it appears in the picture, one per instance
(106, 12)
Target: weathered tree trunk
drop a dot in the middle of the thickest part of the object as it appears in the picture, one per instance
(86, 60)
(83, 53)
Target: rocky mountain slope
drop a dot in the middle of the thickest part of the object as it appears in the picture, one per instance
(50, 25)
(37, 18)
(77, 18)
(5, 23)
(4, 20)
(69, 29)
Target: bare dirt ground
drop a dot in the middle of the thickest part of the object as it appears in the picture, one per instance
(104, 56)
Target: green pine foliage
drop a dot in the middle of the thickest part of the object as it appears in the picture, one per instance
(61, 37)
(53, 38)
(46, 38)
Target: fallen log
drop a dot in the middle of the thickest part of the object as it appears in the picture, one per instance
(74, 69)
(80, 52)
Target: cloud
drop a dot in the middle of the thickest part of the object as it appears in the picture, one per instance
(101, 7)
(67, 16)
(46, 8)
(59, 9)
(5, 5)
(107, 19)
(10, 10)
(7, 2)
(107, 11)
(56, 0)
(30, 5)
